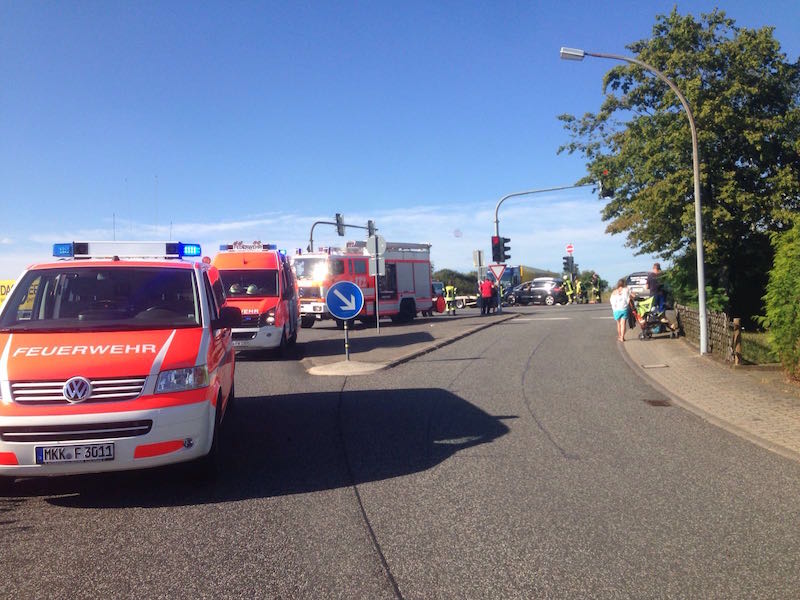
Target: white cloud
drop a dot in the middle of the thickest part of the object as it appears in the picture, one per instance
(539, 230)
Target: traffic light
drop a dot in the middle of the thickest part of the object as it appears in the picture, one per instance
(506, 249)
(565, 266)
(497, 249)
(370, 228)
(606, 185)
(339, 224)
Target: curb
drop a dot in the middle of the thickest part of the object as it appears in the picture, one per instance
(435, 345)
(447, 341)
(707, 416)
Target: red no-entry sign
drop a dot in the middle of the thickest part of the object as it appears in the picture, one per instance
(570, 248)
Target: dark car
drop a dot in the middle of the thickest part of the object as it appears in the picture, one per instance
(546, 290)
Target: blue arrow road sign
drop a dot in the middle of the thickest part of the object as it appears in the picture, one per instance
(344, 299)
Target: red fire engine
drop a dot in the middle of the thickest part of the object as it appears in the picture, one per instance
(404, 289)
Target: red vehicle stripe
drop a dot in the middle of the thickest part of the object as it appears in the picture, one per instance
(157, 449)
(8, 458)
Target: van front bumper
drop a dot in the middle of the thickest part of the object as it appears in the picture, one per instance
(141, 439)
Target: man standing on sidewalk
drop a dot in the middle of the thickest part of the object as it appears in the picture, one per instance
(486, 296)
(654, 286)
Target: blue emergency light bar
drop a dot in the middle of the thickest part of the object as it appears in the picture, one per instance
(112, 249)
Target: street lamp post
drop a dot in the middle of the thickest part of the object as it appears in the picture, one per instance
(577, 54)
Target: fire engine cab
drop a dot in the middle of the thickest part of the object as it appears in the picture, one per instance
(404, 290)
(117, 356)
(259, 280)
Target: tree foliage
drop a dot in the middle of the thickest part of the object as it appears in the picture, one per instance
(783, 299)
(745, 97)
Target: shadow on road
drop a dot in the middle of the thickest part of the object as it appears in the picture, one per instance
(292, 444)
(331, 347)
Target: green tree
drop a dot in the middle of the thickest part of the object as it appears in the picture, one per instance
(466, 283)
(783, 299)
(745, 99)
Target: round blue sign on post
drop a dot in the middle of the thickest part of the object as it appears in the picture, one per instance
(344, 300)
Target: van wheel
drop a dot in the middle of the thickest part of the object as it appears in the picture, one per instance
(283, 347)
(6, 484)
(307, 321)
(206, 468)
(229, 407)
(459, 304)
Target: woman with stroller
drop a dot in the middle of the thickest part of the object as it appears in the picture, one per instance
(620, 300)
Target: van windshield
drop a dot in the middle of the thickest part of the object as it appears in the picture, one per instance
(102, 299)
(250, 283)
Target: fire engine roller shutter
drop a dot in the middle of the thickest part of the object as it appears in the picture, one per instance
(422, 279)
(405, 276)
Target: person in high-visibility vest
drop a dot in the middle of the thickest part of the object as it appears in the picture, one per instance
(578, 294)
(450, 298)
(596, 288)
(568, 288)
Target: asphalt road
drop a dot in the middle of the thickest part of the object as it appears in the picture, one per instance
(524, 461)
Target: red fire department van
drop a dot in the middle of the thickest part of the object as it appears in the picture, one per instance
(404, 290)
(259, 280)
(117, 356)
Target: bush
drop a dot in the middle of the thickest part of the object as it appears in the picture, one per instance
(783, 299)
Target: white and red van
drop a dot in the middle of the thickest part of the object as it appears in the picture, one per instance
(260, 281)
(117, 356)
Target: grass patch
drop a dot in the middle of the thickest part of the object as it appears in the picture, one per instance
(756, 348)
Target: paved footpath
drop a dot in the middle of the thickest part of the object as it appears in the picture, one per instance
(760, 405)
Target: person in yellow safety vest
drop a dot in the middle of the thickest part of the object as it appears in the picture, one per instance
(578, 296)
(568, 288)
(450, 298)
(596, 288)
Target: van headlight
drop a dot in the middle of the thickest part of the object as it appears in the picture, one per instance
(267, 318)
(180, 380)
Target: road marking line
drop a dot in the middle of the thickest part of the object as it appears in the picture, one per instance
(552, 319)
(603, 318)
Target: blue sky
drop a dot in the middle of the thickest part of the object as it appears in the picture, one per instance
(216, 121)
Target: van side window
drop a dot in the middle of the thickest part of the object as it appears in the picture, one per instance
(219, 292)
(211, 299)
(288, 276)
(360, 267)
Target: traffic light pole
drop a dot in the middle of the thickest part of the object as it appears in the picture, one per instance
(514, 195)
(527, 193)
(334, 223)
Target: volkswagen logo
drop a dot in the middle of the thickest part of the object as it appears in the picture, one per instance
(77, 389)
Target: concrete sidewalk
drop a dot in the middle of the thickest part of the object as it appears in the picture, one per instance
(753, 402)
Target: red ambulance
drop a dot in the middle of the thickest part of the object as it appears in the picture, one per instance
(117, 356)
(260, 281)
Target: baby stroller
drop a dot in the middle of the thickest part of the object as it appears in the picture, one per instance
(651, 318)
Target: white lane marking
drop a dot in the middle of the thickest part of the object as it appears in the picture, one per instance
(552, 319)
(612, 318)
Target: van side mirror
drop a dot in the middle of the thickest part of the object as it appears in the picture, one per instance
(229, 317)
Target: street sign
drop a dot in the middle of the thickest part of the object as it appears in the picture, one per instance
(377, 266)
(497, 271)
(570, 248)
(376, 245)
(477, 259)
(344, 300)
